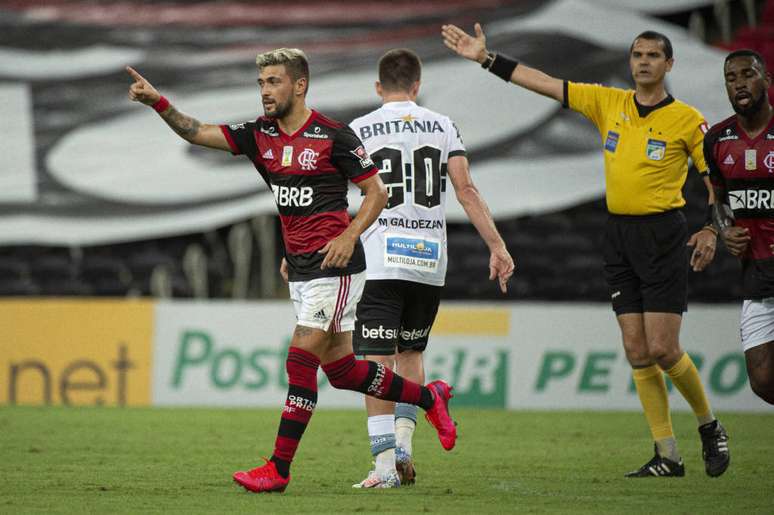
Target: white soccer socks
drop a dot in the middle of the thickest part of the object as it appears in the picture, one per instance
(381, 432)
(405, 424)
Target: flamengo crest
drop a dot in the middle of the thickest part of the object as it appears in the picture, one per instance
(768, 161)
(308, 159)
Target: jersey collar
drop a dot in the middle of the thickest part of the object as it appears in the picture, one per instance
(307, 123)
(743, 134)
(644, 111)
(399, 105)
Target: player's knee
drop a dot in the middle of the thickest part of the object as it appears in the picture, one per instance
(638, 355)
(387, 361)
(665, 353)
(410, 355)
(635, 345)
(766, 393)
(762, 384)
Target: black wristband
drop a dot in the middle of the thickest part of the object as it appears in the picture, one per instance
(490, 57)
(503, 66)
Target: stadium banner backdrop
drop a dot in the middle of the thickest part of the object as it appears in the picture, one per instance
(517, 356)
(222, 353)
(66, 115)
(233, 354)
(75, 352)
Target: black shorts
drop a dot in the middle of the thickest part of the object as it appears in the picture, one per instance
(394, 314)
(646, 262)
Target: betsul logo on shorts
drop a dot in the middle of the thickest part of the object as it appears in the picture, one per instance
(292, 196)
(76, 352)
(414, 334)
(383, 333)
(378, 333)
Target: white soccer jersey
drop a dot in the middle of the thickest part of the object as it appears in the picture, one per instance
(411, 146)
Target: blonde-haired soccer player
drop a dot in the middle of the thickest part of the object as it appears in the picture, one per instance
(308, 159)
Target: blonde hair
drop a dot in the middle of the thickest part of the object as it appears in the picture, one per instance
(293, 59)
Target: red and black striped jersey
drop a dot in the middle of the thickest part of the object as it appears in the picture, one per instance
(743, 169)
(308, 172)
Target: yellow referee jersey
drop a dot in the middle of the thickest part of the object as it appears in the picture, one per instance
(646, 158)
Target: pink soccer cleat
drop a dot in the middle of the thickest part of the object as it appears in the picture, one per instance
(438, 415)
(262, 479)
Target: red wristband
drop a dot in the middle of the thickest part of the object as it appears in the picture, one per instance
(161, 105)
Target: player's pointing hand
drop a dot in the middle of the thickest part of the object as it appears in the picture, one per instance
(141, 90)
(464, 44)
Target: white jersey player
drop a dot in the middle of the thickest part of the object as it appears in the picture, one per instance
(416, 151)
(412, 146)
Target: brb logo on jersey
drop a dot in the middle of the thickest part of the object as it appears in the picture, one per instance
(308, 159)
(291, 196)
(751, 199)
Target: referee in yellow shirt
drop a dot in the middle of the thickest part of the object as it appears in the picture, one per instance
(647, 137)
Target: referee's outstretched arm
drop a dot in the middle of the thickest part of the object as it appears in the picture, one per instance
(508, 69)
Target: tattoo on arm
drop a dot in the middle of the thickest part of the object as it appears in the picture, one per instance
(185, 126)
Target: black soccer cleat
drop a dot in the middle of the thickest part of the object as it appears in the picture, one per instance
(659, 467)
(714, 448)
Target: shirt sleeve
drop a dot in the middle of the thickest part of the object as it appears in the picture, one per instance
(696, 145)
(350, 157)
(708, 157)
(456, 146)
(590, 100)
(241, 138)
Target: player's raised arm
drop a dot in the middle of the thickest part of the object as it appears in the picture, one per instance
(187, 127)
(508, 69)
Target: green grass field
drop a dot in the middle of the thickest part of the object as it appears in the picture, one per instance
(106, 460)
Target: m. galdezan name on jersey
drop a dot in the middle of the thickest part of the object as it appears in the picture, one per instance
(411, 224)
(398, 126)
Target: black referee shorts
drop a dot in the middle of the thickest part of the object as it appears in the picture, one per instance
(646, 262)
(394, 314)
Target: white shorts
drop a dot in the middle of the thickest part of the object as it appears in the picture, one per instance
(757, 325)
(328, 301)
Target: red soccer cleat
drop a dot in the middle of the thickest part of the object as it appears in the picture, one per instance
(439, 416)
(262, 479)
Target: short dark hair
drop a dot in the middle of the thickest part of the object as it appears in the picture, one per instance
(399, 69)
(746, 52)
(652, 35)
